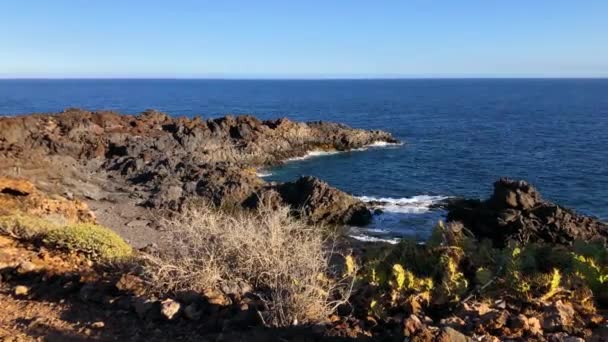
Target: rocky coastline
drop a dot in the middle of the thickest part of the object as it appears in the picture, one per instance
(129, 168)
(512, 267)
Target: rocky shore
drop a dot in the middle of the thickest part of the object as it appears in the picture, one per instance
(129, 168)
(513, 267)
(516, 213)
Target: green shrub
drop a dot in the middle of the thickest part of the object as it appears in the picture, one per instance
(92, 239)
(25, 227)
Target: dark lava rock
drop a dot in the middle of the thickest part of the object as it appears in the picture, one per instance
(323, 203)
(163, 162)
(316, 201)
(517, 212)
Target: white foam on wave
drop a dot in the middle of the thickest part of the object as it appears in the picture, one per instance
(394, 211)
(311, 154)
(407, 205)
(321, 153)
(377, 144)
(384, 144)
(367, 238)
(263, 173)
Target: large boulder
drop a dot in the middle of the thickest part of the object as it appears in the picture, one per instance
(517, 212)
(321, 203)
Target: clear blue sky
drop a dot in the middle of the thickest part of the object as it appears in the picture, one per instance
(312, 38)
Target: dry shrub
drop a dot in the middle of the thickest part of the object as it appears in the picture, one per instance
(285, 261)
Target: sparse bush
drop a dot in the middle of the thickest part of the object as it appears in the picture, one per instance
(25, 227)
(92, 239)
(285, 261)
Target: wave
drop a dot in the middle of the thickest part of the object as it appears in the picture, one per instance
(407, 205)
(263, 173)
(368, 238)
(378, 144)
(311, 154)
(321, 153)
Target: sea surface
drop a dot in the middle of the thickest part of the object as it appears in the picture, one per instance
(460, 135)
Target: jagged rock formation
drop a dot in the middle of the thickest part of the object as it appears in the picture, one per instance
(157, 161)
(316, 201)
(323, 203)
(516, 211)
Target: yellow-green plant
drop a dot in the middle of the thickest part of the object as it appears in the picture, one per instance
(454, 283)
(406, 280)
(514, 267)
(554, 282)
(25, 227)
(92, 239)
(594, 275)
(376, 309)
(350, 265)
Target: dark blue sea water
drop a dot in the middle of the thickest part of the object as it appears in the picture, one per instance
(460, 135)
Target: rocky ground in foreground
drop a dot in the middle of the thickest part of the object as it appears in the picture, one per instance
(453, 289)
(514, 267)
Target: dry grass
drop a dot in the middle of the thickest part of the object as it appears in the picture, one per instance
(285, 261)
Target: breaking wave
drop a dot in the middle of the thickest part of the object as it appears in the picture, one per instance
(320, 153)
(399, 217)
(407, 205)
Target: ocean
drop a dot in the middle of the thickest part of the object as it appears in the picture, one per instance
(460, 135)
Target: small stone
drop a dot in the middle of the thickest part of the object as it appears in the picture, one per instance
(453, 321)
(534, 326)
(21, 290)
(169, 308)
(452, 335)
(98, 325)
(495, 319)
(26, 266)
(192, 312)
(411, 325)
(558, 316)
(500, 304)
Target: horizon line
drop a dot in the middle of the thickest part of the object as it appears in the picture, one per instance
(345, 78)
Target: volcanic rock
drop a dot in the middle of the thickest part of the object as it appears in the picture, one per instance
(125, 165)
(318, 202)
(516, 211)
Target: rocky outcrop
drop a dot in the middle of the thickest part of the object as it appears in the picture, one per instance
(157, 161)
(320, 202)
(129, 142)
(516, 211)
(315, 201)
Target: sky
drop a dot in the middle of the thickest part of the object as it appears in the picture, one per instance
(303, 39)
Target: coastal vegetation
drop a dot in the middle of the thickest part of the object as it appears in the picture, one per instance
(267, 254)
